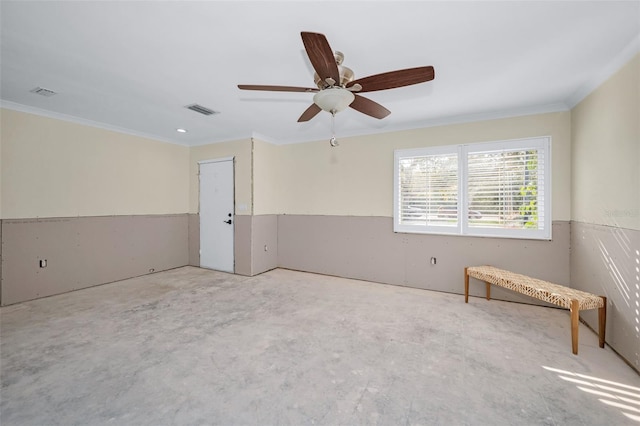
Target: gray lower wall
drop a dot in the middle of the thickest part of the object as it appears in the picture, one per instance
(1, 262)
(194, 239)
(264, 243)
(242, 244)
(605, 260)
(86, 251)
(367, 248)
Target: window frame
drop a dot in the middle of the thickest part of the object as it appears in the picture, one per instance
(541, 144)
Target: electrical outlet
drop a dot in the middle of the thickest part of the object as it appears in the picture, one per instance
(43, 263)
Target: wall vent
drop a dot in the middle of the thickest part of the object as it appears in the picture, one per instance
(201, 109)
(43, 92)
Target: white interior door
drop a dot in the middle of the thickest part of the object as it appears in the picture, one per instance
(217, 214)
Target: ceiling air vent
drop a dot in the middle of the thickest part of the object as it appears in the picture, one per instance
(43, 92)
(201, 109)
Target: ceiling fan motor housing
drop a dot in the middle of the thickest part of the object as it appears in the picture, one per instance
(346, 74)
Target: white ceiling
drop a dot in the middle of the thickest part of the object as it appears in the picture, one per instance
(133, 66)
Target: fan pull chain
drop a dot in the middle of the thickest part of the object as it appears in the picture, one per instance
(333, 141)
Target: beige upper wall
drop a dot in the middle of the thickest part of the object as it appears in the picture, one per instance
(606, 152)
(266, 185)
(356, 178)
(54, 168)
(241, 151)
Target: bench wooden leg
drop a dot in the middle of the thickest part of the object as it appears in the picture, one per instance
(602, 322)
(466, 286)
(488, 285)
(575, 322)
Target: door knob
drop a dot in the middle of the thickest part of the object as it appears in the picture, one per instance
(227, 221)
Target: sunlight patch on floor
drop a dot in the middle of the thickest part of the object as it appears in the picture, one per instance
(614, 394)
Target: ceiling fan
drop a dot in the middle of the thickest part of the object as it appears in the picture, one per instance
(336, 87)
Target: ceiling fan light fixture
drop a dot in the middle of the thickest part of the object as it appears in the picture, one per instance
(333, 99)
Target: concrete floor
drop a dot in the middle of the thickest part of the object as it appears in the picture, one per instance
(192, 346)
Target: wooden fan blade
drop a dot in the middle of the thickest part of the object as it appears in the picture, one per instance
(393, 79)
(369, 107)
(320, 55)
(276, 88)
(309, 113)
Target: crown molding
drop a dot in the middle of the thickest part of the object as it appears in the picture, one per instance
(263, 138)
(620, 60)
(84, 122)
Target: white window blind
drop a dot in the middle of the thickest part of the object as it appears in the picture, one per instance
(504, 188)
(429, 190)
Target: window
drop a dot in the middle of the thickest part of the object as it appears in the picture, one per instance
(504, 188)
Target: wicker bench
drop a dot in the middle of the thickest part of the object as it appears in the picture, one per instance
(565, 297)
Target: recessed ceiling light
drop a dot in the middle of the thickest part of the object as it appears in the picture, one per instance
(181, 130)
